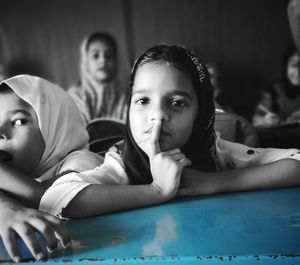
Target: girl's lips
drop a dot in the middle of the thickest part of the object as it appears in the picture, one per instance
(162, 131)
(5, 156)
(165, 132)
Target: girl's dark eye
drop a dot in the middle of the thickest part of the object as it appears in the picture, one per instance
(20, 122)
(178, 103)
(109, 55)
(96, 55)
(142, 101)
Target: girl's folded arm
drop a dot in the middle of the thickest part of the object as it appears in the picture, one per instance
(97, 199)
(20, 186)
(279, 174)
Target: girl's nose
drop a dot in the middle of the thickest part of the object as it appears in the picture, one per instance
(3, 136)
(102, 58)
(159, 113)
(3, 133)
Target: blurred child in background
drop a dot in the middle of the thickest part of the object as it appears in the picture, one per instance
(281, 103)
(99, 93)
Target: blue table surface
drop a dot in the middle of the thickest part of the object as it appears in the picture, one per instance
(237, 228)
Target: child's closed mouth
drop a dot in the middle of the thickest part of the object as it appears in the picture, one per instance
(163, 131)
(5, 156)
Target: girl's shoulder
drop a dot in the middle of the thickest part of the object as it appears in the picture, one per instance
(113, 156)
(75, 88)
(80, 160)
(112, 171)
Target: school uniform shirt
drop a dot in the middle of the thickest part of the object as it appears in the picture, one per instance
(112, 172)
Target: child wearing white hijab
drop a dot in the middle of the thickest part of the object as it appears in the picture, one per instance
(42, 135)
(99, 93)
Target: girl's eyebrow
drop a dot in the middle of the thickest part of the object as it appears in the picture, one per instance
(25, 112)
(182, 93)
(176, 92)
(139, 91)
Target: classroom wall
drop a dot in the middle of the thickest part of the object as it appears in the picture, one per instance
(246, 37)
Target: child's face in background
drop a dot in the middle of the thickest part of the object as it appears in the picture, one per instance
(162, 94)
(101, 61)
(292, 70)
(20, 135)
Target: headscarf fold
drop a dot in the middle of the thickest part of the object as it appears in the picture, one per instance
(200, 147)
(60, 121)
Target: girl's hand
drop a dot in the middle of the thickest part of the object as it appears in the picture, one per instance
(24, 222)
(166, 167)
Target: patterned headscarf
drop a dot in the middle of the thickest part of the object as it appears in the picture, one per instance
(60, 122)
(200, 148)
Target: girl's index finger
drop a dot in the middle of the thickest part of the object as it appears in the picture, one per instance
(154, 140)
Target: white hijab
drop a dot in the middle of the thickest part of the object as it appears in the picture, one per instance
(60, 121)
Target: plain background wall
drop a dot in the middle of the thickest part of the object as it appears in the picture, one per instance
(247, 37)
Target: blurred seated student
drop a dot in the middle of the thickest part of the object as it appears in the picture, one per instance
(264, 114)
(293, 12)
(99, 93)
(281, 103)
(245, 132)
(294, 20)
(215, 74)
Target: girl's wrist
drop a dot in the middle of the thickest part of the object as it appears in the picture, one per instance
(202, 183)
(160, 194)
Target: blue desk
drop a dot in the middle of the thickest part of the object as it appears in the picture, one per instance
(242, 228)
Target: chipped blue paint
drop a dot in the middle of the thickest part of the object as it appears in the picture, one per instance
(243, 228)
